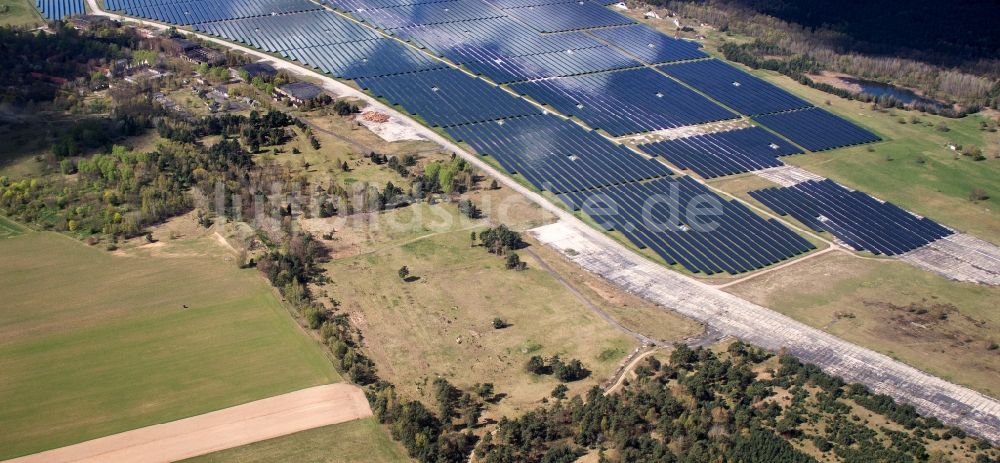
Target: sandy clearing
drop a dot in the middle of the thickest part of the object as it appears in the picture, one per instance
(219, 430)
(394, 129)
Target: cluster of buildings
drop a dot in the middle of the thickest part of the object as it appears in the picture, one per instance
(217, 97)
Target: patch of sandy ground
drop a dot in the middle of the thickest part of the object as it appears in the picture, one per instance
(219, 430)
(395, 129)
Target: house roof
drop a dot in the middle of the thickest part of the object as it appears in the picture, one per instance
(183, 44)
(259, 69)
(301, 90)
(205, 55)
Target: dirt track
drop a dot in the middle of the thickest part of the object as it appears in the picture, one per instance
(227, 428)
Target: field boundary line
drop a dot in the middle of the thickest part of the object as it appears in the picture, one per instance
(219, 430)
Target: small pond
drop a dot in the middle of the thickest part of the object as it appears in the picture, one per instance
(878, 89)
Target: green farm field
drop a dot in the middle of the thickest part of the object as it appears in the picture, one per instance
(360, 440)
(94, 343)
(19, 13)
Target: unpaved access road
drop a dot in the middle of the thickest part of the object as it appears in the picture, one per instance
(219, 430)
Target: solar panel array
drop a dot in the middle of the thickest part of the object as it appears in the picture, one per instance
(186, 12)
(59, 9)
(649, 45)
(625, 102)
(446, 97)
(724, 153)
(855, 218)
(669, 216)
(734, 88)
(816, 129)
(557, 155)
(578, 57)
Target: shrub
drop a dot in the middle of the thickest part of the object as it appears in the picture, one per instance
(978, 194)
(314, 317)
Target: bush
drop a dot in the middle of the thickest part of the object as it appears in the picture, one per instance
(536, 365)
(569, 371)
(314, 317)
(469, 209)
(978, 194)
(514, 262)
(560, 391)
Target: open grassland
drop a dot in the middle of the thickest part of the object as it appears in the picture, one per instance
(440, 323)
(943, 327)
(632, 312)
(365, 233)
(94, 343)
(19, 13)
(360, 440)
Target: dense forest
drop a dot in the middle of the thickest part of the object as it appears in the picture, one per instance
(739, 405)
(32, 65)
(949, 33)
(948, 52)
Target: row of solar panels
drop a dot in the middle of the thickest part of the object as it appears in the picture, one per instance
(816, 130)
(445, 97)
(290, 31)
(863, 222)
(59, 9)
(557, 155)
(687, 224)
(369, 58)
(539, 15)
(480, 39)
(187, 12)
(507, 69)
(625, 102)
(427, 13)
(723, 153)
